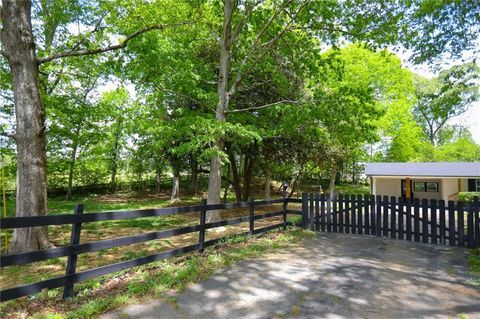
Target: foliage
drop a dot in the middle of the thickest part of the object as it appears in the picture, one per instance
(468, 196)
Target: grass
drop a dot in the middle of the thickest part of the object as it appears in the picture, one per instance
(474, 264)
(158, 280)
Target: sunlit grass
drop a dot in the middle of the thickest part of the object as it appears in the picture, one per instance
(99, 295)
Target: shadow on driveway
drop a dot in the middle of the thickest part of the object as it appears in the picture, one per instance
(331, 276)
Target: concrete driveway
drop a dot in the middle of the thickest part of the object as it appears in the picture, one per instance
(331, 276)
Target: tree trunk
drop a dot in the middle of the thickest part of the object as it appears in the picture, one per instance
(158, 179)
(19, 49)
(215, 177)
(175, 187)
(236, 178)
(333, 175)
(71, 169)
(268, 182)
(247, 176)
(227, 185)
(193, 186)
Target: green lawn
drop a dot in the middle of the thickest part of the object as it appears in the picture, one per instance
(157, 280)
(474, 263)
(94, 203)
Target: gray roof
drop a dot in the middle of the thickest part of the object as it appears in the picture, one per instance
(440, 169)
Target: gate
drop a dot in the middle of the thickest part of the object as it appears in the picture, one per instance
(435, 222)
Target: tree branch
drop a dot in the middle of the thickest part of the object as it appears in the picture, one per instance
(264, 106)
(255, 45)
(118, 46)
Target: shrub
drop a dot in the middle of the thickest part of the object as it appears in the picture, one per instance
(467, 196)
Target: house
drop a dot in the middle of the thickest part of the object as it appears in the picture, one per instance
(436, 180)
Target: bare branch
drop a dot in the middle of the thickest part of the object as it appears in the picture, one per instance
(118, 46)
(264, 106)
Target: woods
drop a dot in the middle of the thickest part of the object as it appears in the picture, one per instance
(243, 91)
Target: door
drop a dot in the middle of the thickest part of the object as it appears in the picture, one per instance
(404, 189)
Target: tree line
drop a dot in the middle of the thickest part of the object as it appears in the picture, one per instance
(94, 91)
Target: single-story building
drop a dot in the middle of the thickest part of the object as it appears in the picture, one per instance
(436, 180)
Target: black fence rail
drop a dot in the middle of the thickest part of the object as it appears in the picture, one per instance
(75, 248)
(436, 222)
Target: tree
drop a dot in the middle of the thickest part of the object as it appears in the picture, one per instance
(352, 92)
(19, 48)
(444, 97)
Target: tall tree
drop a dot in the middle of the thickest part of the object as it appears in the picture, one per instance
(19, 48)
(444, 97)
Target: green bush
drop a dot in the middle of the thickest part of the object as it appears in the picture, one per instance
(467, 196)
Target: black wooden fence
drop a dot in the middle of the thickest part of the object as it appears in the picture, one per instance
(76, 248)
(433, 222)
(436, 222)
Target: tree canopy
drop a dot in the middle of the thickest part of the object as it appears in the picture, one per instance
(247, 92)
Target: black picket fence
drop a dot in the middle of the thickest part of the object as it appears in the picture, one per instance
(75, 248)
(435, 222)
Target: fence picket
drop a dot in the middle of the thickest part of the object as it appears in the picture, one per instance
(359, 214)
(416, 219)
(334, 216)
(329, 213)
(312, 213)
(393, 217)
(317, 212)
(322, 198)
(367, 214)
(476, 221)
(379, 215)
(340, 213)
(441, 210)
(373, 230)
(461, 224)
(408, 219)
(385, 216)
(401, 207)
(353, 214)
(433, 221)
(451, 223)
(347, 213)
(470, 228)
(425, 220)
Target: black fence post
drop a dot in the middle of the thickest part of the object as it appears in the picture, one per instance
(251, 219)
(72, 258)
(476, 212)
(304, 210)
(203, 218)
(284, 204)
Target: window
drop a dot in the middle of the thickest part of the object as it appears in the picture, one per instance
(419, 187)
(477, 185)
(432, 187)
